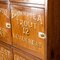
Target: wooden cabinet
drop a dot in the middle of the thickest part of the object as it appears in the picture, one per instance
(5, 25)
(28, 31)
(23, 26)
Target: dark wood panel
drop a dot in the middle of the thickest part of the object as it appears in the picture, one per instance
(57, 29)
(50, 25)
(53, 30)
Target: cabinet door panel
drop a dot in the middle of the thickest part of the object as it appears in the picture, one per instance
(5, 23)
(28, 28)
(21, 55)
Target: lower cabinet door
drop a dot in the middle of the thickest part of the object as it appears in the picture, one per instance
(5, 53)
(21, 55)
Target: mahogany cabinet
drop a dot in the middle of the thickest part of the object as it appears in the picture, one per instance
(31, 29)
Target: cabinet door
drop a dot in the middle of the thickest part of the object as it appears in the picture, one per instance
(22, 55)
(5, 23)
(5, 54)
(28, 28)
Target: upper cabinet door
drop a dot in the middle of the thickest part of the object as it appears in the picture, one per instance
(5, 23)
(30, 1)
(28, 28)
